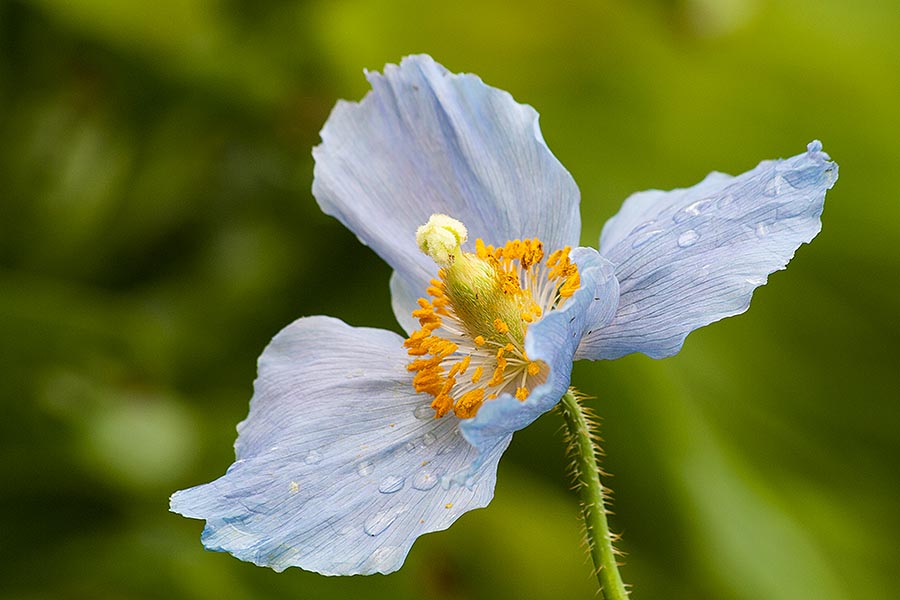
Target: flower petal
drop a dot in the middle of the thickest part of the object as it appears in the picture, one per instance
(552, 340)
(404, 299)
(689, 257)
(340, 464)
(426, 141)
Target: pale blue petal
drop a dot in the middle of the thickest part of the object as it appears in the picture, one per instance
(340, 465)
(426, 141)
(689, 257)
(553, 340)
(404, 298)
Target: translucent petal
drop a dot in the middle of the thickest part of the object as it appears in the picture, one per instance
(426, 141)
(340, 465)
(689, 257)
(404, 297)
(553, 340)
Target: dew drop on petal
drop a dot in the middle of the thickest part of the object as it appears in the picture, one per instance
(312, 457)
(391, 484)
(410, 447)
(425, 480)
(642, 227)
(725, 201)
(424, 411)
(645, 237)
(688, 238)
(691, 210)
(775, 186)
(365, 468)
(762, 230)
(378, 522)
(428, 439)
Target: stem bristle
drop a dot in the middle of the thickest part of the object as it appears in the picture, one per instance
(583, 448)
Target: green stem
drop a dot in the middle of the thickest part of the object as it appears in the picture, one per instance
(587, 477)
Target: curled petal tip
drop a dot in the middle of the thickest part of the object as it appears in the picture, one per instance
(814, 151)
(689, 257)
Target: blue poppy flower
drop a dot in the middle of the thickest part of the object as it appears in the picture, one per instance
(360, 440)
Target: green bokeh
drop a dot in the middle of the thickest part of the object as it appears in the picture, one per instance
(156, 229)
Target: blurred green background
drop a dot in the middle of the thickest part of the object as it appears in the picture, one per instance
(157, 228)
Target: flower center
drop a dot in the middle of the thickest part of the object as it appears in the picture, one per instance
(471, 345)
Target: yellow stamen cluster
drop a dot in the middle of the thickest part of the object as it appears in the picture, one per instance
(562, 267)
(475, 321)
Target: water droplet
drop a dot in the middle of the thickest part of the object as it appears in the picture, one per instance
(424, 411)
(725, 201)
(644, 237)
(458, 479)
(775, 186)
(378, 522)
(762, 230)
(688, 238)
(642, 227)
(354, 374)
(391, 484)
(312, 457)
(756, 280)
(365, 468)
(428, 439)
(410, 447)
(692, 210)
(425, 480)
(385, 558)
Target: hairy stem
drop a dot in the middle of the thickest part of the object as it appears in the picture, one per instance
(585, 454)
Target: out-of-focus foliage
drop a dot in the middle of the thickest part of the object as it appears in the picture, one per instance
(156, 229)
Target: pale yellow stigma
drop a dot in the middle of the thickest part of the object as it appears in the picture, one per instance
(440, 239)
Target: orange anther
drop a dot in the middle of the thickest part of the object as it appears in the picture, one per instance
(468, 403)
(500, 326)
